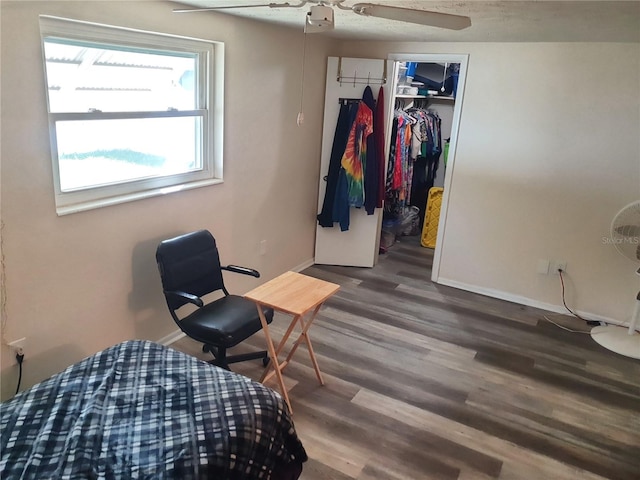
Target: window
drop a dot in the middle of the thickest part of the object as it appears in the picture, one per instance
(132, 114)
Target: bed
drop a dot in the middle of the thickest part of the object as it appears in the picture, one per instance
(142, 410)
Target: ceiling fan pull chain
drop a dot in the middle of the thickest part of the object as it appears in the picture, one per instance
(300, 118)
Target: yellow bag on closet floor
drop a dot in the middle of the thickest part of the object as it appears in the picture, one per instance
(431, 218)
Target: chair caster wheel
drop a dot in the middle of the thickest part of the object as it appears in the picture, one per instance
(265, 361)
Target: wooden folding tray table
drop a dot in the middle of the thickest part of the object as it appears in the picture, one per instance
(295, 294)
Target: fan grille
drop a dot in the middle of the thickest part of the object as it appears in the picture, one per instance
(625, 231)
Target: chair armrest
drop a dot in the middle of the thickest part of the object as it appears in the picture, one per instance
(242, 270)
(187, 296)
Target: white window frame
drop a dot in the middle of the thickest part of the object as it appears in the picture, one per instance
(210, 77)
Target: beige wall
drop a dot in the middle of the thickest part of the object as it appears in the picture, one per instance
(79, 283)
(548, 153)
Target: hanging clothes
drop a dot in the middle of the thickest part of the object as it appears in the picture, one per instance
(374, 165)
(370, 164)
(427, 162)
(447, 143)
(400, 168)
(355, 155)
(416, 145)
(391, 201)
(350, 188)
(355, 163)
(378, 133)
(346, 116)
(341, 202)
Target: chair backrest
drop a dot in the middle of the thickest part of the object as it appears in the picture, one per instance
(189, 263)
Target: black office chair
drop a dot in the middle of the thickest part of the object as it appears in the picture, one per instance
(190, 268)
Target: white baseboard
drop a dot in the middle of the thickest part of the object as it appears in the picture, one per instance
(490, 292)
(303, 265)
(172, 337)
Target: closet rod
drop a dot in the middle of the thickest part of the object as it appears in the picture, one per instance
(356, 80)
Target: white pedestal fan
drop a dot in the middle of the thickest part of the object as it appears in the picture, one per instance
(625, 235)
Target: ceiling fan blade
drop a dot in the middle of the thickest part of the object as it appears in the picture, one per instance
(421, 17)
(210, 9)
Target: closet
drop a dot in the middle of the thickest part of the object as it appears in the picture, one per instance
(424, 100)
(346, 80)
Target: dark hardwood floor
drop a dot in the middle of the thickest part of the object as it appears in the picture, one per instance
(429, 382)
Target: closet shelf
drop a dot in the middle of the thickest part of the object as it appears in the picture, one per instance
(430, 97)
(441, 97)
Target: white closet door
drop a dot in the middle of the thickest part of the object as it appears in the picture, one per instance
(357, 247)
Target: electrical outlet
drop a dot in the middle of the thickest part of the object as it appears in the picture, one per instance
(263, 247)
(559, 265)
(19, 345)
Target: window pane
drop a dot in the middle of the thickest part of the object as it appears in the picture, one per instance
(86, 76)
(92, 153)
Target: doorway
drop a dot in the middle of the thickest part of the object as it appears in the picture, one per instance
(346, 78)
(432, 65)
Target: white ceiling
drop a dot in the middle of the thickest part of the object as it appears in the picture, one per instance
(492, 21)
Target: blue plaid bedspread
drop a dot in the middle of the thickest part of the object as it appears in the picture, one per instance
(141, 410)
